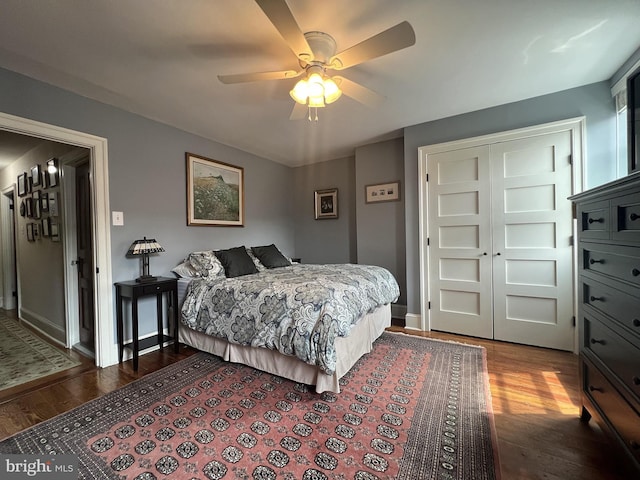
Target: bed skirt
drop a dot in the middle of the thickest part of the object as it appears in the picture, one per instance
(349, 350)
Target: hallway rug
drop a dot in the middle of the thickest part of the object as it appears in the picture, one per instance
(412, 408)
(25, 357)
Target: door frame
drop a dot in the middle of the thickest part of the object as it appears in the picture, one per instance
(105, 346)
(7, 224)
(577, 127)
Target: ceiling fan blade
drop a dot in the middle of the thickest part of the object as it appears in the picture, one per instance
(282, 18)
(299, 111)
(391, 40)
(358, 92)
(257, 76)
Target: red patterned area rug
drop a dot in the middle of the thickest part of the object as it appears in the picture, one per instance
(413, 408)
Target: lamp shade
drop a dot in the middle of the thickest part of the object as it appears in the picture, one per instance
(144, 247)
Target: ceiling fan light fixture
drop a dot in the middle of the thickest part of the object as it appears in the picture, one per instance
(316, 101)
(316, 90)
(300, 92)
(331, 90)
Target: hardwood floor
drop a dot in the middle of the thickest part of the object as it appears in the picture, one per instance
(535, 396)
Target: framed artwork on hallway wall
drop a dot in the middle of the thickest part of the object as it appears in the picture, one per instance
(22, 184)
(36, 176)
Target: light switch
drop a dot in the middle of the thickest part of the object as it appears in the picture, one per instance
(117, 218)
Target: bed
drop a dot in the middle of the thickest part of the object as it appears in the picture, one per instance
(308, 323)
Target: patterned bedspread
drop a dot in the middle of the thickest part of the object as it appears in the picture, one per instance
(298, 310)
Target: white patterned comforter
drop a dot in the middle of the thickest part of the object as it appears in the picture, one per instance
(298, 310)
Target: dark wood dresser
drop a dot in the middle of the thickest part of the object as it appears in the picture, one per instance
(609, 308)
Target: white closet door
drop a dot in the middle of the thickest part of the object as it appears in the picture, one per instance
(500, 257)
(532, 252)
(460, 241)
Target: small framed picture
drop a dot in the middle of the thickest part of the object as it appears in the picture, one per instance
(23, 181)
(30, 232)
(51, 174)
(46, 227)
(54, 231)
(326, 203)
(44, 200)
(36, 176)
(37, 212)
(53, 204)
(28, 207)
(382, 192)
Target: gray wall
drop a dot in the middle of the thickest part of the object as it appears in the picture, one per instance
(593, 101)
(147, 178)
(40, 263)
(381, 226)
(326, 240)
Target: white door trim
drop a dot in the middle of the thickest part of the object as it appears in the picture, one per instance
(7, 223)
(105, 348)
(576, 125)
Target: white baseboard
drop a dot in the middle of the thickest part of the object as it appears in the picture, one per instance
(413, 321)
(33, 319)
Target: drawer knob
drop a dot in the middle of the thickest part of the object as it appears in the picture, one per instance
(634, 216)
(596, 220)
(636, 322)
(635, 272)
(596, 299)
(593, 260)
(594, 341)
(595, 389)
(636, 380)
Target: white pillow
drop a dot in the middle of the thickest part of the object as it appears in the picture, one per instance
(185, 270)
(206, 264)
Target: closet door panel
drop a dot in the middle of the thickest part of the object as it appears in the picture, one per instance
(459, 235)
(531, 232)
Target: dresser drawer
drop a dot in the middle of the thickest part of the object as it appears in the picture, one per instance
(620, 306)
(618, 262)
(626, 221)
(594, 220)
(620, 356)
(619, 413)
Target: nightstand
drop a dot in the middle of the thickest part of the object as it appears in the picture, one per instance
(134, 290)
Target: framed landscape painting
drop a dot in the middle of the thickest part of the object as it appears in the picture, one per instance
(215, 192)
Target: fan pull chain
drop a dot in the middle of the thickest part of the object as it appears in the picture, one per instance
(316, 112)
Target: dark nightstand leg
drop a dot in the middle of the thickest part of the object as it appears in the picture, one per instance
(119, 326)
(176, 316)
(159, 316)
(134, 325)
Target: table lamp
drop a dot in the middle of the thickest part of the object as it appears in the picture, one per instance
(143, 248)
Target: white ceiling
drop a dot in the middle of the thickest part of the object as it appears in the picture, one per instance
(161, 58)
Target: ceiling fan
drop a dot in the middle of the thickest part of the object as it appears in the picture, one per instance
(316, 53)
